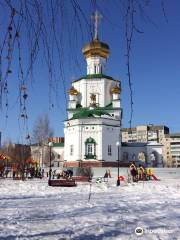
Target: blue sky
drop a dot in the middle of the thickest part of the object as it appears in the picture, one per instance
(155, 69)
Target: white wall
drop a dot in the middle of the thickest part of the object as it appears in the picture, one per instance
(101, 87)
(59, 151)
(132, 151)
(72, 137)
(97, 61)
(147, 149)
(39, 153)
(110, 136)
(99, 129)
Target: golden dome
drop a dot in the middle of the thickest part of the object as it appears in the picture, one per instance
(73, 91)
(95, 48)
(116, 90)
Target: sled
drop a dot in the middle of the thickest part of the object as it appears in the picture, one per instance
(154, 177)
(121, 178)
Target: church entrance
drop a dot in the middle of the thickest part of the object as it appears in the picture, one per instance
(90, 148)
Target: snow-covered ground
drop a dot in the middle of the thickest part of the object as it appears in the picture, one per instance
(32, 210)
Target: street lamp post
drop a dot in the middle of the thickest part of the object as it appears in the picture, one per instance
(118, 180)
(50, 159)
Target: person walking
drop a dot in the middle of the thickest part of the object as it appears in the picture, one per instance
(106, 175)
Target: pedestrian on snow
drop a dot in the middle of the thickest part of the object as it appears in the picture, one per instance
(141, 173)
(133, 171)
(106, 175)
(109, 173)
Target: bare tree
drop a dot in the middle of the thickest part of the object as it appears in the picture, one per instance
(42, 130)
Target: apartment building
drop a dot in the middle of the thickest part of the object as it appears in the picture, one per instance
(175, 149)
(145, 133)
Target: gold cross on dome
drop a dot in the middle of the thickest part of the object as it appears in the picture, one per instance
(96, 17)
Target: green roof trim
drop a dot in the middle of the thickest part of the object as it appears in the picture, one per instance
(89, 113)
(58, 144)
(91, 76)
(107, 107)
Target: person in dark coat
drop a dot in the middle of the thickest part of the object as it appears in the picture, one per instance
(106, 175)
(70, 173)
(133, 171)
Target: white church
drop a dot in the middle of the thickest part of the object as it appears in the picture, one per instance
(92, 130)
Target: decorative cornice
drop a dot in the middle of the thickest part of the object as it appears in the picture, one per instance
(92, 76)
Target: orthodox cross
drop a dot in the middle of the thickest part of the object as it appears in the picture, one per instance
(97, 17)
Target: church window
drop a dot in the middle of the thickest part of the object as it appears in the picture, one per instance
(71, 150)
(90, 148)
(109, 150)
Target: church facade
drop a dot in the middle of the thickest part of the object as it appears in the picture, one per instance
(92, 130)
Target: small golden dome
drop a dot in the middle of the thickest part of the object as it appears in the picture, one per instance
(116, 90)
(73, 91)
(95, 48)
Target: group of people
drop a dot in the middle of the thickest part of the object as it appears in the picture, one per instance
(65, 174)
(34, 173)
(139, 173)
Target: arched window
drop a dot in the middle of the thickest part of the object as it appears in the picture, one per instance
(133, 157)
(142, 157)
(154, 156)
(90, 148)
